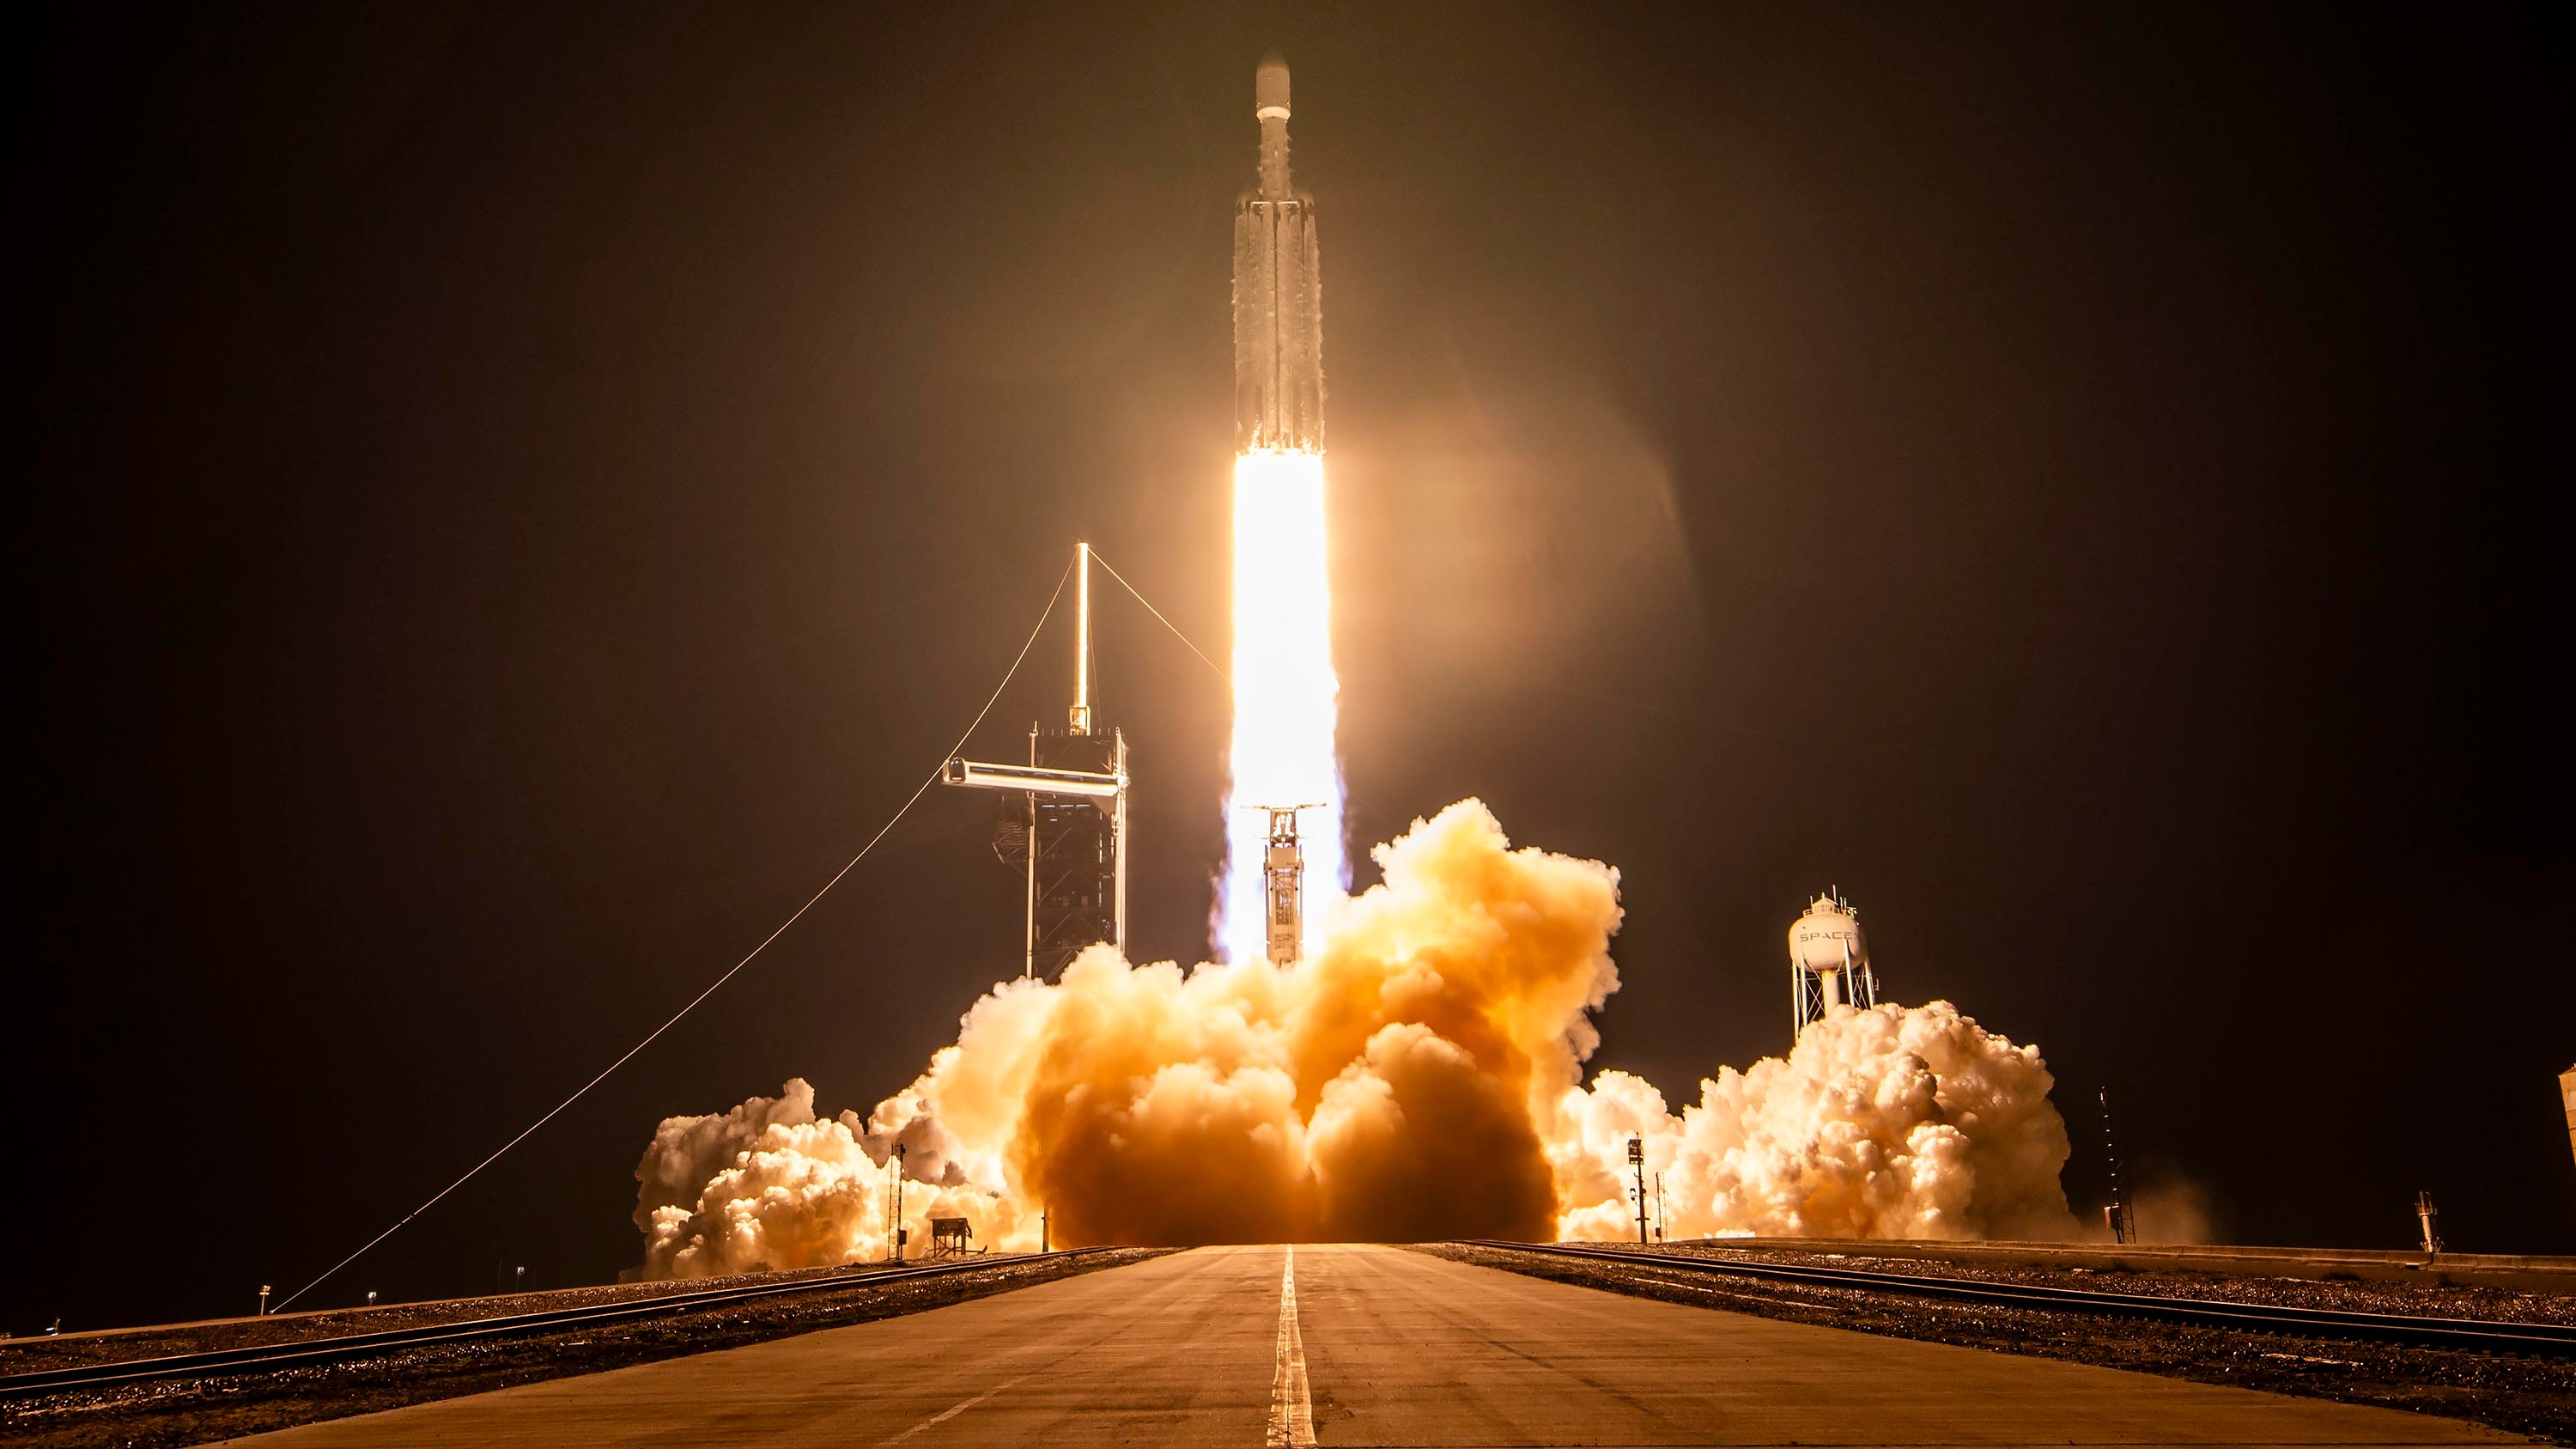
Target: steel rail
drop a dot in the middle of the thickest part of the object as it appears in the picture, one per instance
(360, 1345)
(2483, 1335)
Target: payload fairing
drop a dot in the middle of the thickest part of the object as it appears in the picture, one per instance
(1278, 295)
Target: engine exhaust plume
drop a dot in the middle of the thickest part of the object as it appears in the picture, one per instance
(1286, 697)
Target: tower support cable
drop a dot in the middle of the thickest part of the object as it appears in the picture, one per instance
(1158, 614)
(754, 954)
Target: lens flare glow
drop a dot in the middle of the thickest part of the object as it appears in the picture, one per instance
(1286, 698)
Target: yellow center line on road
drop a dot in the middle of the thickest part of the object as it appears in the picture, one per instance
(1292, 1412)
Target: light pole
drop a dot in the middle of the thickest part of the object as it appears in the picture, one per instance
(898, 1235)
(1637, 1162)
(263, 1300)
(2121, 1218)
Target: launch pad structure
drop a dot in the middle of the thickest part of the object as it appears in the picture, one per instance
(1283, 884)
(1066, 830)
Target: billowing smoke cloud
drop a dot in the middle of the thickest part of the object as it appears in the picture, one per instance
(1897, 1122)
(1419, 1077)
(766, 1185)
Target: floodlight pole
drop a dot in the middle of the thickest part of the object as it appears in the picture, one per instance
(896, 1236)
(1637, 1162)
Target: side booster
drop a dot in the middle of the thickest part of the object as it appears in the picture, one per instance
(1278, 295)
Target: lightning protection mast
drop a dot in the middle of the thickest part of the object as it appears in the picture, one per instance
(1063, 818)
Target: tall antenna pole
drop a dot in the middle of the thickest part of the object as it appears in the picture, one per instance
(1081, 718)
(2123, 1224)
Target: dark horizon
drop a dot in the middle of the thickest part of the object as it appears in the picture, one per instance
(520, 497)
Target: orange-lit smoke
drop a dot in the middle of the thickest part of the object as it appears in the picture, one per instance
(1416, 1076)
(1896, 1122)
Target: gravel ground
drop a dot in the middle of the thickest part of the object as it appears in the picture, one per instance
(2419, 1300)
(2532, 1396)
(33, 1355)
(198, 1411)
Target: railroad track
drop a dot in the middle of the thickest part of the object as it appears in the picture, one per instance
(2481, 1335)
(362, 1345)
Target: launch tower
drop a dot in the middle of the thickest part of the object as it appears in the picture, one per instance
(1063, 818)
(1075, 884)
(1828, 962)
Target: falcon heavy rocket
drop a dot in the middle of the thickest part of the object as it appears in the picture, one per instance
(1283, 757)
(1278, 295)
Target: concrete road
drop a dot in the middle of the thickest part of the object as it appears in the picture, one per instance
(1358, 1346)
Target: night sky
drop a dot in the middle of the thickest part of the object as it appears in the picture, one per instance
(515, 498)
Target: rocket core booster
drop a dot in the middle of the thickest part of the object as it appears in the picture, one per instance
(1278, 295)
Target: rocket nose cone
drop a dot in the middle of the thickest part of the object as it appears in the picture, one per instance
(1270, 85)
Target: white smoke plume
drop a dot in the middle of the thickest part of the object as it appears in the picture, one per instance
(766, 1185)
(1419, 1077)
(1896, 1122)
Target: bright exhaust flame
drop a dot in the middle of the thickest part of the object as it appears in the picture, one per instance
(1285, 696)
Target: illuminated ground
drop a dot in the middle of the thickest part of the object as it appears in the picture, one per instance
(1400, 1348)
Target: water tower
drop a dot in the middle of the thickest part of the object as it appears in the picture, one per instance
(1828, 962)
